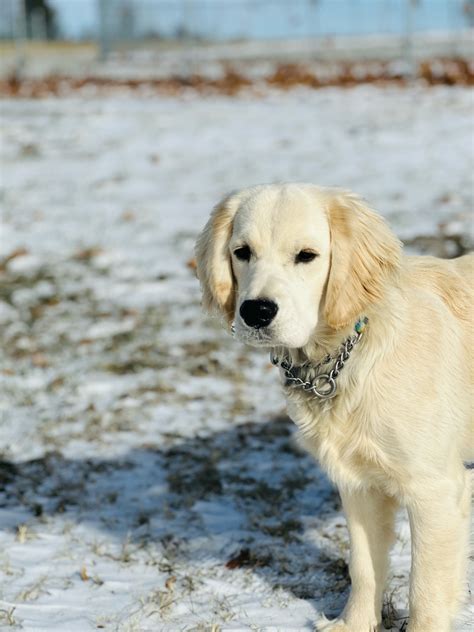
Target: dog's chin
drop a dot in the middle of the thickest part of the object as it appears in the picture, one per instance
(266, 338)
(255, 337)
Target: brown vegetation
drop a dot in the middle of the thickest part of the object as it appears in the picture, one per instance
(446, 71)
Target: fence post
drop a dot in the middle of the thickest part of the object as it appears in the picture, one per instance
(104, 43)
(20, 37)
(408, 44)
(39, 29)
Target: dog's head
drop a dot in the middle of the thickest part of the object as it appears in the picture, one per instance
(275, 260)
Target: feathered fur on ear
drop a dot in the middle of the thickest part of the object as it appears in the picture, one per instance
(214, 268)
(364, 253)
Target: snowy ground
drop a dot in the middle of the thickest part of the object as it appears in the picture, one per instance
(149, 478)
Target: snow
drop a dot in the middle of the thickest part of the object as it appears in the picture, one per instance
(142, 449)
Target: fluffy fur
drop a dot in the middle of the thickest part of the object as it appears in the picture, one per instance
(401, 425)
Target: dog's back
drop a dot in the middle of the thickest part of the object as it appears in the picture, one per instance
(450, 279)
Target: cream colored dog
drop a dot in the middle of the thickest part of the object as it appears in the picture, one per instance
(293, 267)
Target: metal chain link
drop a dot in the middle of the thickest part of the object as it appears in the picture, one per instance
(324, 385)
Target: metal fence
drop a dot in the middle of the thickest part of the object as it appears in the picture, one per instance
(132, 20)
(126, 24)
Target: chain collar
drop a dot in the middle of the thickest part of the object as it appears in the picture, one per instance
(323, 386)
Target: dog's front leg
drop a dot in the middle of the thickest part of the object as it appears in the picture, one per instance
(370, 519)
(439, 522)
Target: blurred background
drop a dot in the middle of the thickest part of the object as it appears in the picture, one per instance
(128, 20)
(47, 36)
(149, 477)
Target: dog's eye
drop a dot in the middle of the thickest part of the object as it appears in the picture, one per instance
(242, 253)
(305, 256)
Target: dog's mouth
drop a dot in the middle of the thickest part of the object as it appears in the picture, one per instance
(261, 337)
(271, 336)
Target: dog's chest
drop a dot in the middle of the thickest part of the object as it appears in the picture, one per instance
(345, 443)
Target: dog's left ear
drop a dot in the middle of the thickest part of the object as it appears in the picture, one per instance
(364, 253)
(214, 267)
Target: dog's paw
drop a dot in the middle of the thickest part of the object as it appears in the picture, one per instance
(338, 625)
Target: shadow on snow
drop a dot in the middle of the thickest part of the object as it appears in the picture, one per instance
(245, 497)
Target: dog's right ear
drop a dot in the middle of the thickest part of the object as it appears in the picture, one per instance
(214, 267)
(364, 254)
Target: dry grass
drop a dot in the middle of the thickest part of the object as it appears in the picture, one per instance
(445, 71)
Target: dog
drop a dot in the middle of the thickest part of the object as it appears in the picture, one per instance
(374, 352)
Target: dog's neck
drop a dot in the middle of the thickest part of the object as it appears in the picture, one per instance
(325, 341)
(320, 380)
(386, 324)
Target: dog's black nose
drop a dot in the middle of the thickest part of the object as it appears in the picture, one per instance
(259, 313)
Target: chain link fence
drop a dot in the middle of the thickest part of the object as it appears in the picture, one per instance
(126, 21)
(185, 29)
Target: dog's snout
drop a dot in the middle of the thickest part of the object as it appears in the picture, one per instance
(258, 313)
